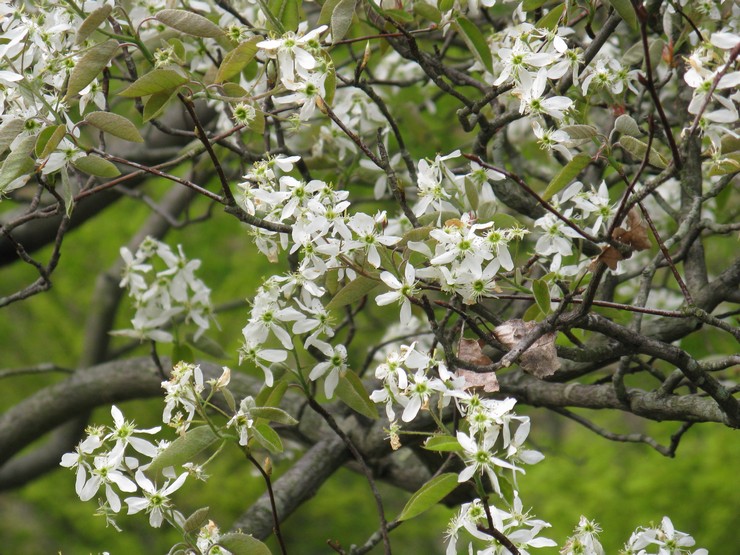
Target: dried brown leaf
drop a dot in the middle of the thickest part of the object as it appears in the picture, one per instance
(486, 380)
(541, 358)
(635, 237)
(469, 350)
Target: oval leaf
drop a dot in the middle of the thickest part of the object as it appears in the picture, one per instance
(638, 149)
(476, 42)
(429, 495)
(267, 438)
(352, 392)
(92, 22)
(626, 125)
(156, 103)
(580, 132)
(626, 12)
(566, 174)
(90, 66)
(235, 60)
(242, 544)
(541, 295)
(443, 443)
(183, 449)
(97, 166)
(115, 125)
(196, 520)
(155, 81)
(341, 19)
(552, 19)
(9, 130)
(352, 292)
(49, 139)
(189, 23)
(17, 163)
(273, 414)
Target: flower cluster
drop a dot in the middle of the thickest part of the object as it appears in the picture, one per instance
(163, 297)
(108, 458)
(661, 540)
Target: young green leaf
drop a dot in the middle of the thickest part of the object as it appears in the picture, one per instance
(155, 81)
(156, 103)
(196, 520)
(189, 23)
(235, 60)
(442, 443)
(267, 437)
(638, 149)
(552, 19)
(90, 66)
(353, 292)
(183, 449)
(115, 125)
(626, 12)
(476, 42)
(341, 19)
(566, 174)
(429, 495)
(542, 295)
(242, 544)
(92, 22)
(273, 414)
(17, 163)
(9, 130)
(352, 392)
(48, 140)
(97, 166)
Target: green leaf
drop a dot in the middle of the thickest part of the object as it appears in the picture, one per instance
(48, 140)
(352, 392)
(156, 103)
(427, 11)
(580, 132)
(638, 149)
(235, 60)
(330, 85)
(417, 234)
(97, 166)
(92, 22)
(271, 396)
(626, 125)
(258, 123)
(352, 292)
(207, 345)
(17, 163)
(471, 192)
(9, 130)
(444, 443)
(242, 544)
(287, 12)
(182, 352)
(196, 520)
(273, 414)
(529, 5)
(542, 295)
(189, 23)
(429, 495)
(566, 174)
(399, 15)
(626, 12)
(341, 19)
(90, 66)
(267, 437)
(155, 81)
(552, 19)
(476, 42)
(445, 5)
(326, 10)
(115, 125)
(184, 449)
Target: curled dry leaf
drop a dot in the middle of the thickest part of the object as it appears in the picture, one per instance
(469, 350)
(635, 237)
(541, 358)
